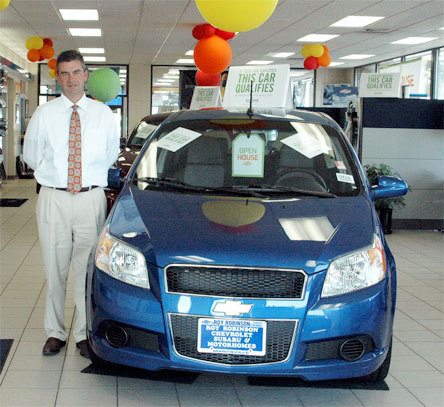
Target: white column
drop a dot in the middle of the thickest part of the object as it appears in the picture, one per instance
(139, 93)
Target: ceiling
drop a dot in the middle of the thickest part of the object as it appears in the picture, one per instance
(159, 31)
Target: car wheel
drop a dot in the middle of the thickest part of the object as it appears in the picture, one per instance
(381, 373)
(96, 360)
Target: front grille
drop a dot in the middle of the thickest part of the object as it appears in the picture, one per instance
(279, 339)
(331, 349)
(235, 282)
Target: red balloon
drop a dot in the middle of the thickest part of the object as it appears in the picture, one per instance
(226, 35)
(203, 31)
(33, 55)
(311, 63)
(48, 42)
(212, 55)
(203, 79)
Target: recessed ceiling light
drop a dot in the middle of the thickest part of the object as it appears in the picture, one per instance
(170, 76)
(166, 80)
(317, 37)
(356, 21)
(92, 50)
(94, 59)
(259, 62)
(357, 56)
(173, 72)
(336, 63)
(79, 14)
(280, 54)
(190, 52)
(185, 61)
(85, 32)
(442, 28)
(414, 40)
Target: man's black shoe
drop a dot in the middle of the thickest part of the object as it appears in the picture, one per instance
(53, 346)
(83, 346)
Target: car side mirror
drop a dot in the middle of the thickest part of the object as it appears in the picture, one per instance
(123, 141)
(115, 178)
(389, 187)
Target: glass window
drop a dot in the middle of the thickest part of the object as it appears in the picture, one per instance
(440, 75)
(302, 87)
(389, 66)
(416, 74)
(363, 69)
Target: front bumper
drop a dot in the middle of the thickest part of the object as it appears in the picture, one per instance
(148, 314)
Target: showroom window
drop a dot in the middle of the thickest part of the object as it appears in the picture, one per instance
(371, 68)
(416, 73)
(440, 75)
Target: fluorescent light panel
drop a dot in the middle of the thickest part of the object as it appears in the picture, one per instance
(336, 63)
(85, 32)
(280, 54)
(357, 56)
(317, 37)
(185, 61)
(92, 50)
(414, 40)
(259, 62)
(190, 52)
(356, 21)
(79, 14)
(94, 59)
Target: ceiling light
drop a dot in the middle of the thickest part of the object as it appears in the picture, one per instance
(414, 40)
(336, 63)
(190, 52)
(357, 56)
(259, 62)
(185, 61)
(79, 14)
(173, 72)
(92, 50)
(317, 37)
(94, 59)
(85, 32)
(170, 76)
(166, 80)
(356, 21)
(280, 54)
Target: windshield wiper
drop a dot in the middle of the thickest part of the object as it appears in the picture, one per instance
(291, 190)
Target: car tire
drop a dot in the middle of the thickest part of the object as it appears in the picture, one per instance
(381, 373)
(96, 360)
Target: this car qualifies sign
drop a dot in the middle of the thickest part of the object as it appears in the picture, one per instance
(232, 336)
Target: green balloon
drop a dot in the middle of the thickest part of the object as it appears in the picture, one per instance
(103, 84)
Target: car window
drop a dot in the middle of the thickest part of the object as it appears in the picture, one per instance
(263, 154)
(143, 131)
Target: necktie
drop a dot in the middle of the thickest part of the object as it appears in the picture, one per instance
(75, 153)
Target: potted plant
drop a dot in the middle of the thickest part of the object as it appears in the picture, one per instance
(384, 207)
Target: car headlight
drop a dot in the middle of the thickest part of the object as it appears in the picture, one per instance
(356, 271)
(121, 260)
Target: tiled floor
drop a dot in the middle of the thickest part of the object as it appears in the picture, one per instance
(28, 378)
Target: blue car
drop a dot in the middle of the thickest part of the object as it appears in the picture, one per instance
(246, 243)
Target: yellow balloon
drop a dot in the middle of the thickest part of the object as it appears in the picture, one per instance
(317, 50)
(4, 4)
(306, 51)
(34, 42)
(236, 15)
(52, 73)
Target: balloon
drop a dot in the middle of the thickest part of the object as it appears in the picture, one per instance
(306, 51)
(226, 35)
(203, 31)
(324, 60)
(212, 55)
(52, 63)
(34, 43)
(4, 4)
(311, 63)
(33, 55)
(47, 41)
(203, 79)
(47, 52)
(316, 50)
(103, 84)
(326, 50)
(236, 15)
(52, 73)
(41, 58)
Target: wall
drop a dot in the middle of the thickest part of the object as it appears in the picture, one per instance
(139, 91)
(327, 76)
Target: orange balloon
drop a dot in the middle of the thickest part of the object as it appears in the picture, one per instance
(212, 55)
(326, 51)
(47, 52)
(33, 55)
(324, 60)
(52, 63)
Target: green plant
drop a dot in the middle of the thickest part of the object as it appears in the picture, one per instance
(377, 170)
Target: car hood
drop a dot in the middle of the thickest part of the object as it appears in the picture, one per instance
(181, 228)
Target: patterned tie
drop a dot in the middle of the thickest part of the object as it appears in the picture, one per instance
(75, 153)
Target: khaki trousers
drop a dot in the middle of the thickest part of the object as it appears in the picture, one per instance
(68, 228)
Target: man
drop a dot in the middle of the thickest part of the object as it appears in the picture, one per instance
(70, 143)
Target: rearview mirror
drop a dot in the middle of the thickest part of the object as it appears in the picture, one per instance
(389, 187)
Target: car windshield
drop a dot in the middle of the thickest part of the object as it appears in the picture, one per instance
(256, 156)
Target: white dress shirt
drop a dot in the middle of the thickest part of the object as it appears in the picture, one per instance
(45, 148)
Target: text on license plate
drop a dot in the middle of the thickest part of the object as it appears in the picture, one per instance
(232, 336)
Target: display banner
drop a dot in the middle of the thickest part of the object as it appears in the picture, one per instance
(206, 96)
(380, 85)
(270, 86)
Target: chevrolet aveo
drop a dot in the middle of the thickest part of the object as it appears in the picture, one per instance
(245, 243)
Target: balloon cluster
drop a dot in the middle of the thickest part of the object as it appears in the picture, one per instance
(40, 49)
(315, 55)
(212, 54)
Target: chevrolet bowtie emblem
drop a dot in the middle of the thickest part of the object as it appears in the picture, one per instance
(230, 308)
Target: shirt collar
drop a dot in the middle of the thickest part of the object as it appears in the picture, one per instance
(82, 103)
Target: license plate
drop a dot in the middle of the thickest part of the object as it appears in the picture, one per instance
(232, 336)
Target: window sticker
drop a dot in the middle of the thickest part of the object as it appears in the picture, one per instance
(340, 165)
(144, 131)
(306, 145)
(345, 178)
(177, 139)
(248, 156)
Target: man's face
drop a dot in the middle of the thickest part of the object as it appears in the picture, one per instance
(72, 78)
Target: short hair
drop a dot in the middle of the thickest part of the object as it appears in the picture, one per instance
(70, 55)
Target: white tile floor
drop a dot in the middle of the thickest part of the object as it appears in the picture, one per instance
(28, 378)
